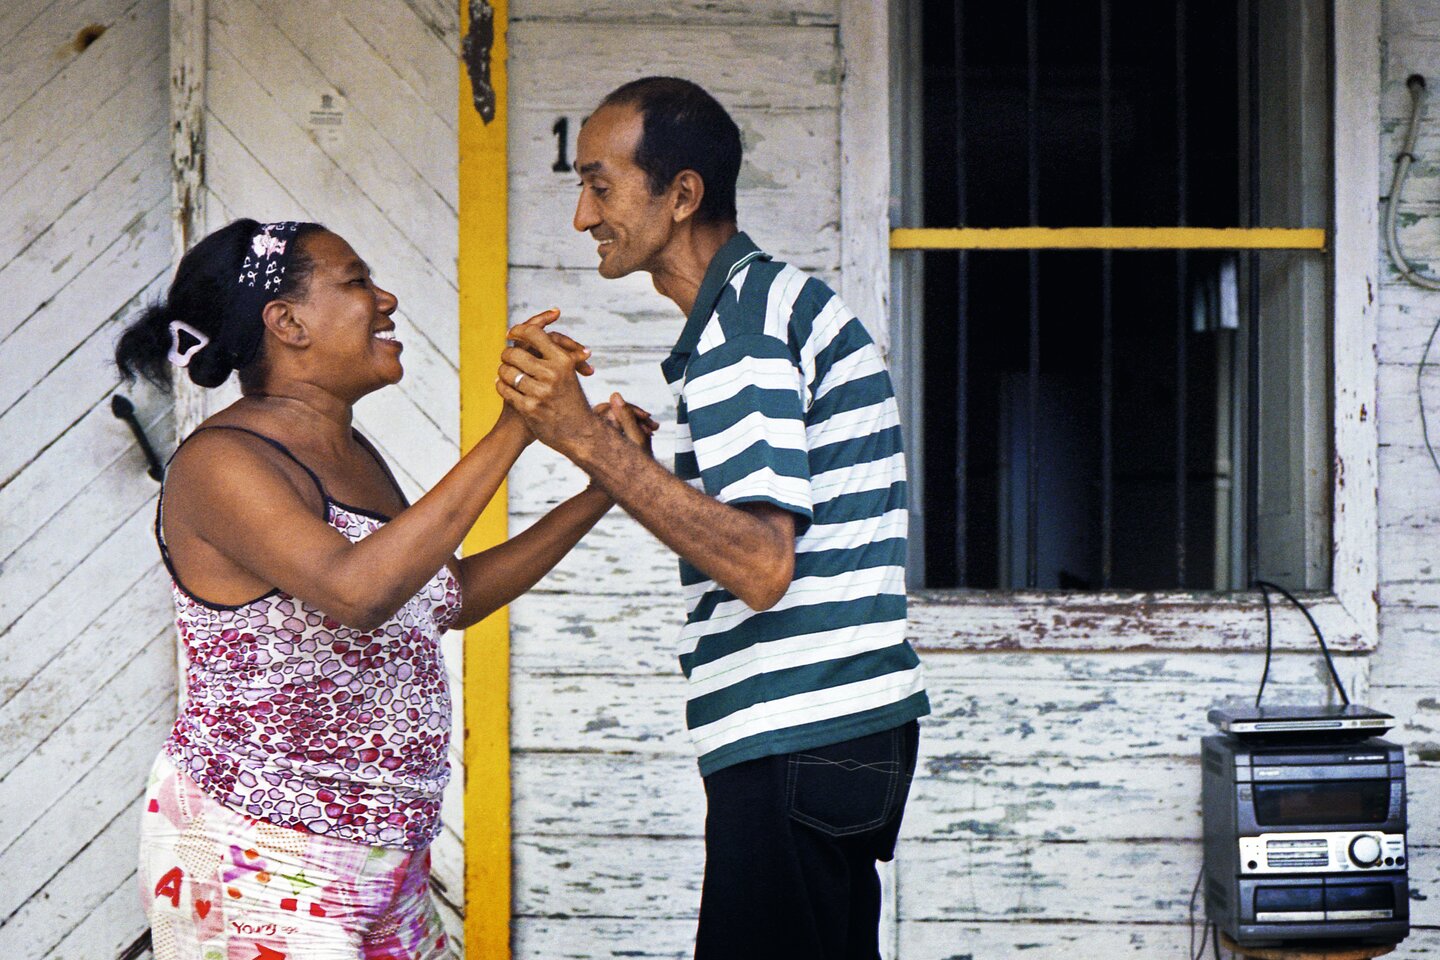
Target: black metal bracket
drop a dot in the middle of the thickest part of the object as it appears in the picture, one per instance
(140, 946)
(475, 51)
(125, 410)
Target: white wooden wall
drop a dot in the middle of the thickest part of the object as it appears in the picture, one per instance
(86, 663)
(1406, 671)
(1057, 806)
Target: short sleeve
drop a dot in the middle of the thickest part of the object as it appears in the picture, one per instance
(745, 408)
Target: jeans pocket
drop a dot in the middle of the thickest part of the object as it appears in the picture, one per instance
(846, 788)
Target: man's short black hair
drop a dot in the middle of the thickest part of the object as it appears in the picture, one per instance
(685, 129)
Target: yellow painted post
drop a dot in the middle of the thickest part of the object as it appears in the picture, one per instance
(484, 318)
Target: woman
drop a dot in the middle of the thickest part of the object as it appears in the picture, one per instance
(290, 812)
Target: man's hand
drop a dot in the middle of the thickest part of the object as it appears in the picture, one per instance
(579, 355)
(537, 378)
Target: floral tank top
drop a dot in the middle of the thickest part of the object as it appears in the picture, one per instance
(297, 719)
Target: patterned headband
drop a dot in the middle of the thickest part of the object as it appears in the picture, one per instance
(262, 272)
(265, 261)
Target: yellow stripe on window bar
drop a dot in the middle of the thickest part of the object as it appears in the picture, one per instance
(484, 318)
(1106, 238)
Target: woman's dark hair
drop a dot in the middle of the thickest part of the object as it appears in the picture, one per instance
(205, 294)
(685, 129)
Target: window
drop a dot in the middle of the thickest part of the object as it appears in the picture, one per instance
(1135, 407)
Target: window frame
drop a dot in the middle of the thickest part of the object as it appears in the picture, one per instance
(995, 620)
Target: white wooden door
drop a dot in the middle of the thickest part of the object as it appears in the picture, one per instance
(344, 113)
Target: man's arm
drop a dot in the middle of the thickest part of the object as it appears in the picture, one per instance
(748, 549)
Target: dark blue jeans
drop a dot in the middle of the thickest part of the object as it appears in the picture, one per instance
(791, 843)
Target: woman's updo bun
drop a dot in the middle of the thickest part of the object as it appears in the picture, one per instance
(204, 296)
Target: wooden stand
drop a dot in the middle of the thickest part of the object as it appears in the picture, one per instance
(1316, 952)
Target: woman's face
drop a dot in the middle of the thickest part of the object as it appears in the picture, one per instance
(352, 335)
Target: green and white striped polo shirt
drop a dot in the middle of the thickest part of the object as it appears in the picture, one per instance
(783, 398)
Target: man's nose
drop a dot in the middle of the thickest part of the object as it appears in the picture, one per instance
(585, 216)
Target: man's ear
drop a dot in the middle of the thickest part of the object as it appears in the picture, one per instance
(284, 325)
(688, 189)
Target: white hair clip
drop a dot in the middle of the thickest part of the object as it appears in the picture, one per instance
(180, 354)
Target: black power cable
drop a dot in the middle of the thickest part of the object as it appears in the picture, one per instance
(1265, 587)
(1269, 640)
(1196, 954)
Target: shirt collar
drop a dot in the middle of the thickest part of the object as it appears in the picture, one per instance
(738, 251)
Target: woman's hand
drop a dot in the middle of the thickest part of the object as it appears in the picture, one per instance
(635, 424)
(644, 428)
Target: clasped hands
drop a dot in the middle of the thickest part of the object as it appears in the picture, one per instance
(538, 380)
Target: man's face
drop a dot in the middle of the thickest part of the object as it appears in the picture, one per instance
(616, 206)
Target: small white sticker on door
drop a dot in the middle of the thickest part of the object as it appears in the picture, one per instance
(327, 119)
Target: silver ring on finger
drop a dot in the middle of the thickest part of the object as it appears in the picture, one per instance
(518, 377)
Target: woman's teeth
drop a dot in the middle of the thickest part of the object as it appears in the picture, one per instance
(385, 335)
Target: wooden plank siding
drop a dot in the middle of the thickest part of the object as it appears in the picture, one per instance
(608, 810)
(87, 677)
(1405, 673)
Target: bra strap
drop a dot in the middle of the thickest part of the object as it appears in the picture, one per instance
(369, 447)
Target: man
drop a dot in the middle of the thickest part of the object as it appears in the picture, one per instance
(787, 508)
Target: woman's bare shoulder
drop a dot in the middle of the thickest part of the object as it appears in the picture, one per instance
(233, 452)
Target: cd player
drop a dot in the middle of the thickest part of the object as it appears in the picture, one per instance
(1305, 840)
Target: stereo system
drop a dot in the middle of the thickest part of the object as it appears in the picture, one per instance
(1305, 839)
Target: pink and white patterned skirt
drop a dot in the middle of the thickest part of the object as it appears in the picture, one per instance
(218, 885)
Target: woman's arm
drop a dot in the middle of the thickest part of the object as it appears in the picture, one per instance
(492, 578)
(230, 490)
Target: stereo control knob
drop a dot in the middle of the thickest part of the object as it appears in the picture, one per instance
(1365, 851)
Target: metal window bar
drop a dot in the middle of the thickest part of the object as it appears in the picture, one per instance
(1032, 154)
(1107, 238)
(1252, 311)
(1182, 359)
(1107, 327)
(962, 339)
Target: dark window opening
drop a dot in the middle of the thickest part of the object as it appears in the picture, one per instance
(1133, 363)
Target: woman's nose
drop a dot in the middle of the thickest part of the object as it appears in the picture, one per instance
(386, 300)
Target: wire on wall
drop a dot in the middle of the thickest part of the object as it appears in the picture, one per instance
(1415, 83)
